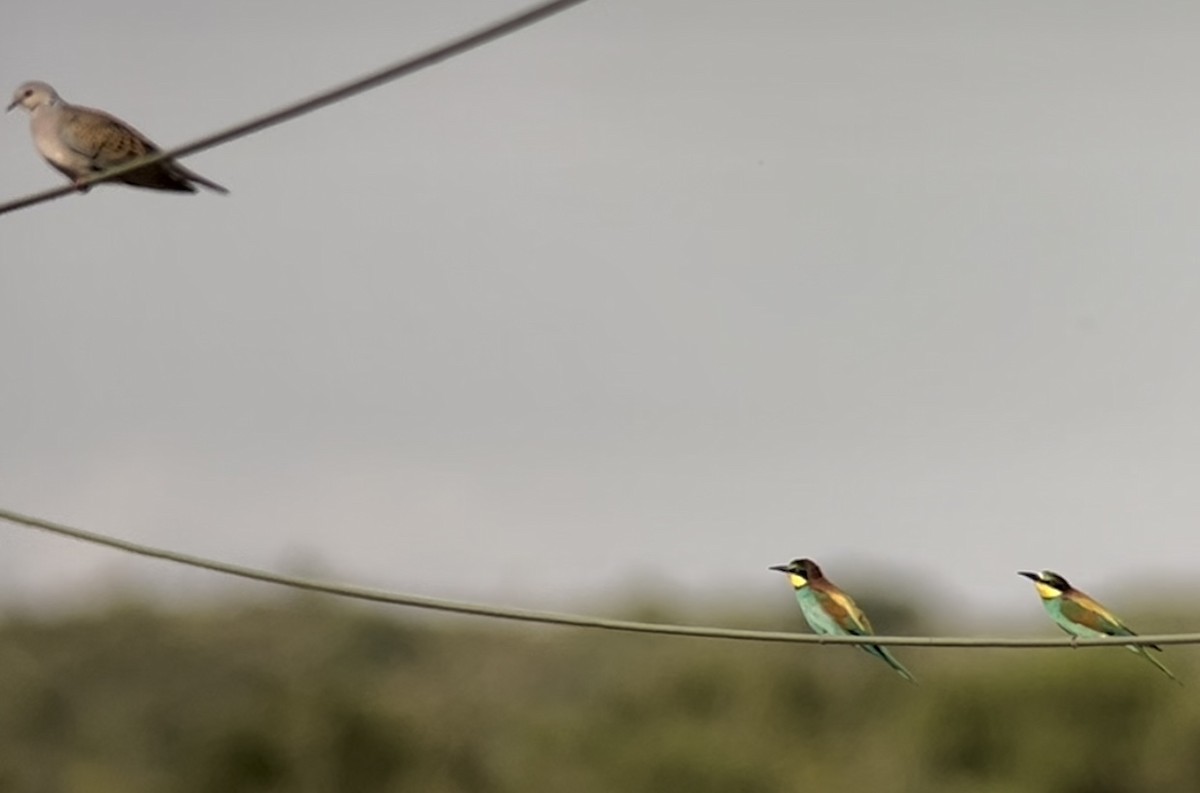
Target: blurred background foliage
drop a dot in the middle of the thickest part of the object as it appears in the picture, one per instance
(315, 695)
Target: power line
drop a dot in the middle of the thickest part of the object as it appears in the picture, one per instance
(554, 618)
(395, 71)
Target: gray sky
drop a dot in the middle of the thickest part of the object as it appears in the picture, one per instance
(661, 291)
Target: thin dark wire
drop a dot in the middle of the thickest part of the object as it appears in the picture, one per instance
(553, 618)
(397, 70)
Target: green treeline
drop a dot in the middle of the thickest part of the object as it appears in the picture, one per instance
(316, 696)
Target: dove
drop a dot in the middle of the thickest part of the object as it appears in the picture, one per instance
(80, 141)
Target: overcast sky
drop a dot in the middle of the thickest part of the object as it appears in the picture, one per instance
(654, 291)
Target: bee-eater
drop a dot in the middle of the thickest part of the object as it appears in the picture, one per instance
(1079, 615)
(830, 611)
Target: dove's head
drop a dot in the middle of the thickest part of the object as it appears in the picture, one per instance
(33, 94)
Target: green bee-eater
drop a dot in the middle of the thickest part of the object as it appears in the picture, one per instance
(830, 611)
(1079, 615)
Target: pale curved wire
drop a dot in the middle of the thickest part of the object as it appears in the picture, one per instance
(554, 618)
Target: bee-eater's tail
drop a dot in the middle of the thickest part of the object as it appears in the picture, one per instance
(1142, 652)
(883, 654)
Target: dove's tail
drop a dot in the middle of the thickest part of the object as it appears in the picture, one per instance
(192, 176)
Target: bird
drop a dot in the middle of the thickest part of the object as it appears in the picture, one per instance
(830, 611)
(1082, 617)
(80, 142)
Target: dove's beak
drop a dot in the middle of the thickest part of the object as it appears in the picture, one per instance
(12, 104)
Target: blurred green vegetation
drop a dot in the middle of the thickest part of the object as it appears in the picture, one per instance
(313, 695)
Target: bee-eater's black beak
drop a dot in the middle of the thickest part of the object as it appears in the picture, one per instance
(1029, 575)
(783, 568)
